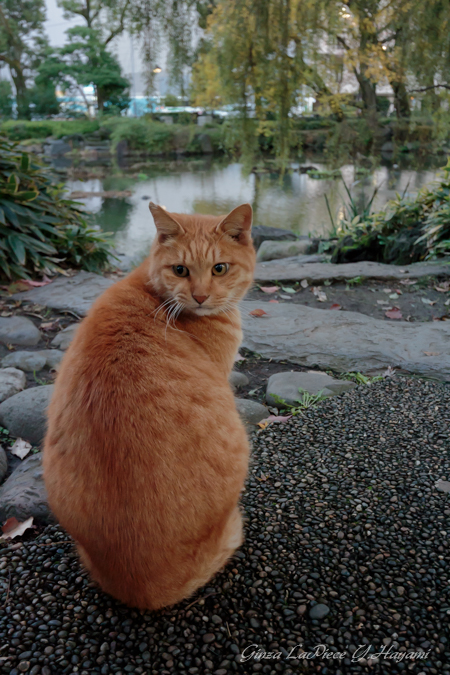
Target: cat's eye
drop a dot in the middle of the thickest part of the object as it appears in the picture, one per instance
(180, 270)
(220, 269)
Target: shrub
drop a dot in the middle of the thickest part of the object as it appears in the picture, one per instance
(39, 231)
(407, 230)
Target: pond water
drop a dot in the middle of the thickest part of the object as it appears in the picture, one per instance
(295, 201)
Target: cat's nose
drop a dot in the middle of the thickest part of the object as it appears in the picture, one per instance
(200, 298)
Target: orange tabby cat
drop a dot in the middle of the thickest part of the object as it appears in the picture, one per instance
(145, 454)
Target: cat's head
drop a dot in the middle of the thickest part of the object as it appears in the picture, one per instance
(204, 263)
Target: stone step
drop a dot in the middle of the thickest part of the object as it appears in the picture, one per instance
(346, 341)
(295, 269)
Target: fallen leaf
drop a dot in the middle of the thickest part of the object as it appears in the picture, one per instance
(285, 297)
(13, 528)
(335, 305)
(443, 287)
(50, 325)
(427, 301)
(21, 448)
(238, 357)
(278, 419)
(17, 287)
(273, 301)
(393, 296)
(408, 282)
(382, 302)
(389, 372)
(320, 295)
(432, 353)
(287, 289)
(262, 478)
(6, 313)
(394, 313)
(269, 289)
(447, 302)
(264, 424)
(398, 291)
(34, 284)
(387, 290)
(304, 283)
(257, 312)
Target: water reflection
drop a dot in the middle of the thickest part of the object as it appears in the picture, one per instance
(294, 201)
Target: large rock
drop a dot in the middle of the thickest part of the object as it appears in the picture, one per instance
(294, 269)
(23, 494)
(18, 330)
(251, 412)
(287, 386)
(31, 361)
(273, 250)
(75, 294)
(261, 233)
(25, 414)
(28, 361)
(11, 382)
(237, 379)
(65, 337)
(346, 341)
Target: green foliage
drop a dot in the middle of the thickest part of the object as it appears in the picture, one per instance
(407, 230)
(6, 99)
(359, 378)
(159, 138)
(22, 129)
(39, 230)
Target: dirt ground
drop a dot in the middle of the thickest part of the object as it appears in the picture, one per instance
(424, 300)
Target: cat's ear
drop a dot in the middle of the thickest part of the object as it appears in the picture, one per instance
(166, 226)
(237, 224)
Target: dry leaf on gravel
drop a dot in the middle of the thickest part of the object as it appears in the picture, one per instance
(13, 528)
(238, 357)
(408, 282)
(269, 289)
(320, 295)
(274, 301)
(432, 353)
(35, 284)
(257, 312)
(394, 313)
(21, 448)
(335, 305)
(288, 289)
(427, 301)
(383, 302)
(304, 283)
(443, 287)
(278, 419)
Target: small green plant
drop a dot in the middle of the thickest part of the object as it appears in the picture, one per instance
(306, 401)
(356, 281)
(359, 378)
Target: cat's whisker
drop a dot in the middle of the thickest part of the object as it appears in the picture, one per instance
(161, 306)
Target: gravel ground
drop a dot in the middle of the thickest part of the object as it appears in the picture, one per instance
(346, 545)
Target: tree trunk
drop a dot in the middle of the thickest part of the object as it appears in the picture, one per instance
(23, 104)
(401, 99)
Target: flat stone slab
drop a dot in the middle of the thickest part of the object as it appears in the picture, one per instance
(294, 269)
(25, 414)
(346, 341)
(75, 294)
(18, 330)
(23, 494)
(289, 386)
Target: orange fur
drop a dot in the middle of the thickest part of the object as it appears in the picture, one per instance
(145, 454)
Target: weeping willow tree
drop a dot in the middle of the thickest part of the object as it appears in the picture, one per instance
(259, 55)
